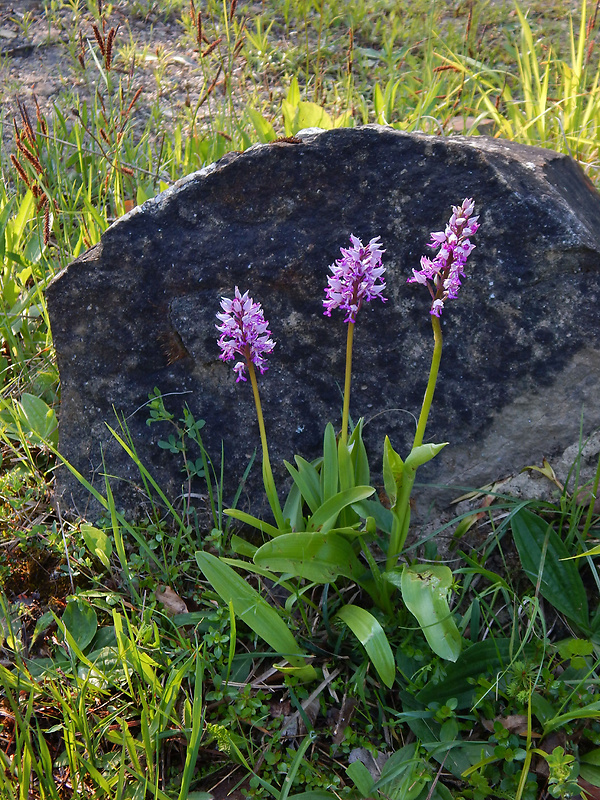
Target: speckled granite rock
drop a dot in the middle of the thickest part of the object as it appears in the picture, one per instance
(521, 352)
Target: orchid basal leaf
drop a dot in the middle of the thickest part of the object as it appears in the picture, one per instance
(329, 468)
(425, 589)
(252, 609)
(318, 557)
(371, 635)
(308, 482)
(326, 515)
(358, 455)
(345, 466)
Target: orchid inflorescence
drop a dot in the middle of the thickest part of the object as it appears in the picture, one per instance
(354, 278)
(244, 331)
(442, 274)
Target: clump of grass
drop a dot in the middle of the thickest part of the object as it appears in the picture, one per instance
(550, 101)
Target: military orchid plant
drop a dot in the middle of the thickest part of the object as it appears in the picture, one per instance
(329, 519)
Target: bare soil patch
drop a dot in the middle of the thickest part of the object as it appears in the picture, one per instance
(40, 60)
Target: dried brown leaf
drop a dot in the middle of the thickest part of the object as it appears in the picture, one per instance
(170, 600)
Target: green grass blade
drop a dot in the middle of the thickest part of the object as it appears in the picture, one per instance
(295, 765)
(242, 516)
(191, 755)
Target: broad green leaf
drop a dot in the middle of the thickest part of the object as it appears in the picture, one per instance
(457, 757)
(425, 590)
(393, 469)
(81, 622)
(292, 509)
(379, 106)
(361, 777)
(319, 557)
(543, 555)
(40, 419)
(251, 608)
(403, 774)
(589, 766)
(344, 120)
(17, 224)
(326, 515)
(304, 115)
(254, 569)
(107, 669)
(312, 115)
(241, 547)
(263, 128)
(293, 95)
(97, 543)
(41, 626)
(542, 708)
(371, 635)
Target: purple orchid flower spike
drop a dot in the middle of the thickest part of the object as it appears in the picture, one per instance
(244, 331)
(355, 277)
(443, 274)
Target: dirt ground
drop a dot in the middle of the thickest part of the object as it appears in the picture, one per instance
(38, 58)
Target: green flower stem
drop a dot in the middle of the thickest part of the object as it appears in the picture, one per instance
(346, 409)
(402, 507)
(433, 373)
(266, 463)
(401, 522)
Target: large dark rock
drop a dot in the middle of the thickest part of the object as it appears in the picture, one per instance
(521, 354)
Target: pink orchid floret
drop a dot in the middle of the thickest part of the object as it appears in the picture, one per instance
(442, 275)
(355, 278)
(244, 331)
